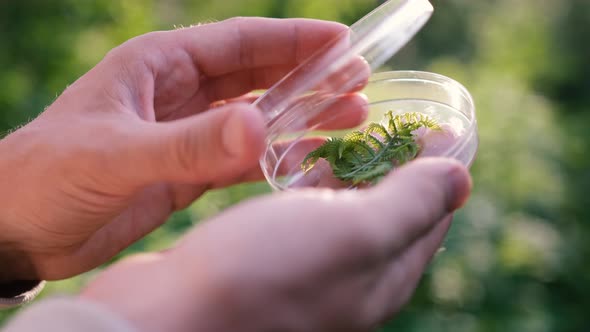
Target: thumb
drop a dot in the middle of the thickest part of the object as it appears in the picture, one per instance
(413, 199)
(218, 144)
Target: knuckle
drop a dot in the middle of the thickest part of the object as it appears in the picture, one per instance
(238, 24)
(428, 199)
(140, 42)
(184, 151)
(140, 47)
(237, 20)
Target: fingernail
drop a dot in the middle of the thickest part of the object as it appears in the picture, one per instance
(244, 131)
(458, 187)
(233, 133)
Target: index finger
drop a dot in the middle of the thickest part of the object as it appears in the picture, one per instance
(244, 43)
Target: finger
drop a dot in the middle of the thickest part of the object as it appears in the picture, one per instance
(320, 176)
(297, 151)
(248, 98)
(244, 43)
(286, 157)
(352, 77)
(401, 277)
(319, 94)
(204, 148)
(349, 111)
(182, 60)
(254, 173)
(344, 231)
(200, 103)
(413, 199)
(337, 111)
(318, 113)
(235, 84)
(344, 112)
(294, 151)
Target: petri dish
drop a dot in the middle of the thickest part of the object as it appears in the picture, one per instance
(320, 131)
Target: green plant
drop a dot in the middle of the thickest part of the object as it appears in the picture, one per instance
(365, 156)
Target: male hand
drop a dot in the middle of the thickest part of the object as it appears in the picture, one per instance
(301, 261)
(136, 138)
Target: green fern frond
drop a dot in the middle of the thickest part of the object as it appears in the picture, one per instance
(409, 122)
(367, 156)
(329, 151)
(355, 136)
(374, 142)
(379, 129)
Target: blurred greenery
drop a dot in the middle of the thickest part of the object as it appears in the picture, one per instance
(516, 257)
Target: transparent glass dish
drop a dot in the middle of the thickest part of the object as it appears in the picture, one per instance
(436, 96)
(321, 101)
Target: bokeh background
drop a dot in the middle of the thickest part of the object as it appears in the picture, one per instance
(518, 255)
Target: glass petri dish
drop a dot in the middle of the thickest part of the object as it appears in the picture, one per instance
(440, 98)
(320, 101)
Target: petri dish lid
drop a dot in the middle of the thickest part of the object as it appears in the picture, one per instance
(343, 65)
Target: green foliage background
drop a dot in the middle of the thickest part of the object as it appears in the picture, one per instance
(516, 258)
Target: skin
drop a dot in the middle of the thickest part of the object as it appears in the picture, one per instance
(165, 117)
(311, 260)
(136, 138)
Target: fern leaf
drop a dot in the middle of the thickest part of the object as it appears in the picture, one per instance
(379, 129)
(324, 151)
(374, 142)
(355, 136)
(368, 155)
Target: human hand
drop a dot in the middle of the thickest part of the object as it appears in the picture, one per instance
(135, 139)
(299, 261)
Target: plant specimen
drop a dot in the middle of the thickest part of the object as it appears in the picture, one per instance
(366, 156)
